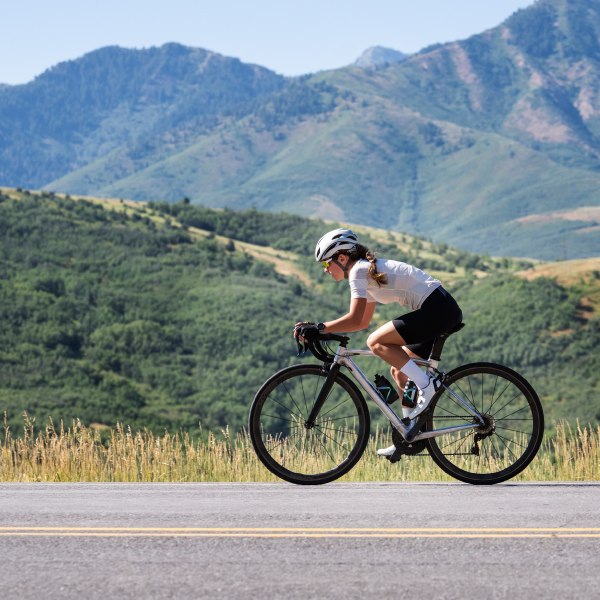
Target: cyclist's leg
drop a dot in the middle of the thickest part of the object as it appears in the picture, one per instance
(387, 343)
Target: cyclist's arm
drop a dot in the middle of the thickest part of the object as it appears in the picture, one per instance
(359, 317)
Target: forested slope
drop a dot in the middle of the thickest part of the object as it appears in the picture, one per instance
(112, 312)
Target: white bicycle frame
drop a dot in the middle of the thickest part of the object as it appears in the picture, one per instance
(342, 357)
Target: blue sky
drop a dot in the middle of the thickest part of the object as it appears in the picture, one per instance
(291, 38)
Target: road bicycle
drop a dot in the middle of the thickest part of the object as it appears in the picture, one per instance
(310, 424)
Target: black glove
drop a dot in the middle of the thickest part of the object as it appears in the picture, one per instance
(308, 331)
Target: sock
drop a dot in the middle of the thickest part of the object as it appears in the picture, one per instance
(414, 373)
(406, 411)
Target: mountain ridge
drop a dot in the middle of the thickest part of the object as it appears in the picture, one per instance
(460, 142)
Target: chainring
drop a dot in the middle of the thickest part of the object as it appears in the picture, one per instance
(406, 448)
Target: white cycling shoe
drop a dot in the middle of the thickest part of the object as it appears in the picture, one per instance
(387, 451)
(423, 399)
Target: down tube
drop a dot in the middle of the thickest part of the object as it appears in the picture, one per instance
(365, 384)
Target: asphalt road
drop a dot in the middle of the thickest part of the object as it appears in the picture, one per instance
(283, 541)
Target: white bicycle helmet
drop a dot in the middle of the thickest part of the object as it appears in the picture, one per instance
(333, 242)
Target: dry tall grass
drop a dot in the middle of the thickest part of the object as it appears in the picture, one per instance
(77, 454)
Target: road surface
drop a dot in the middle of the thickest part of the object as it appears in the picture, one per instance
(405, 540)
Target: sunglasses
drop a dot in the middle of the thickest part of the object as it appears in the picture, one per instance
(325, 264)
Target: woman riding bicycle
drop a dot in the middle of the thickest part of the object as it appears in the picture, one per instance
(375, 280)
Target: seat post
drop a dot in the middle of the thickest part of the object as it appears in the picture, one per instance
(438, 346)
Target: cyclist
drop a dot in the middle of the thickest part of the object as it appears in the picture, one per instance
(412, 335)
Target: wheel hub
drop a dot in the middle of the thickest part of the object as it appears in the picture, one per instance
(488, 427)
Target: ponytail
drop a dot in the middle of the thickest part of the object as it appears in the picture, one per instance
(362, 252)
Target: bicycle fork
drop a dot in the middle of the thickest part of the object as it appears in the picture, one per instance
(316, 409)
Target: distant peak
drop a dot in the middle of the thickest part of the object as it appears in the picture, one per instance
(378, 55)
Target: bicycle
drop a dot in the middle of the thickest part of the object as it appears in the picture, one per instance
(310, 424)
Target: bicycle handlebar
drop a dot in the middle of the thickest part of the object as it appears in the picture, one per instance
(316, 347)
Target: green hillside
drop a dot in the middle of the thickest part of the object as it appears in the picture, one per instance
(164, 315)
(462, 142)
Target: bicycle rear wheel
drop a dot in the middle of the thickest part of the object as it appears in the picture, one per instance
(296, 452)
(513, 430)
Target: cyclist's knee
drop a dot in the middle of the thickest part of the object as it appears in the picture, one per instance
(375, 346)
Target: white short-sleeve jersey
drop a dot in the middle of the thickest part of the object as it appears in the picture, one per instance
(406, 284)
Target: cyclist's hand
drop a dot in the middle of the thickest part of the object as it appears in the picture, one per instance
(307, 332)
(298, 327)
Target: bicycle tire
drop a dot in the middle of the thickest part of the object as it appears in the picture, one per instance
(325, 452)
(499, 458)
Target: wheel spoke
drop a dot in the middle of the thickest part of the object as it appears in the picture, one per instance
(326, 450)
(509, 450)
(518, 394)
(511, 441)
(493, 394)
(303, 394)
(508, 429)
(471, 390)
(342, 402)
(465, 417)
(482, 393)
(279, 418)
(286, 408)
(461, 391)
(292, 399)
(329, 437)
(348, 431)
(498, 398)
(281, 431)
(454, 399)
(514, 413)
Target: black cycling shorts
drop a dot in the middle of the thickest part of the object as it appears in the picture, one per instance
(437, 315)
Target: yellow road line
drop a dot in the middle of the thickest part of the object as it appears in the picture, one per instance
(305, 532)
(303, 535)
(311, 529)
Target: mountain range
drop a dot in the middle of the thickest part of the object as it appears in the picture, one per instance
(490, 143)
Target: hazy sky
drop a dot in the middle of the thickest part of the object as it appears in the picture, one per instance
(289, 37)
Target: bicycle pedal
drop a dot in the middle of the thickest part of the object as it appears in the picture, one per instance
(405, 421)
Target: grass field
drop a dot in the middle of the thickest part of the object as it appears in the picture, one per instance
(77, 454)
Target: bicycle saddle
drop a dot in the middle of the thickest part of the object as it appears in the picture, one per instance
(455, 329)
(438, 345)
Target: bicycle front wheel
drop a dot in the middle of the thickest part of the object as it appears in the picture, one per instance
(510, 437)
(295, 451)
